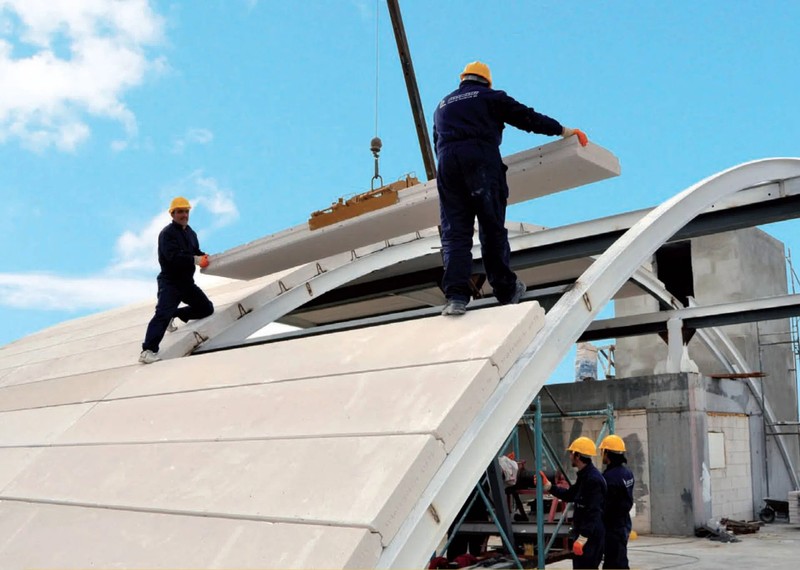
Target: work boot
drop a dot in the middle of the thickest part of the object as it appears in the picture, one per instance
(148, 357)
(519, 291)
(171, 326)
(454, 308)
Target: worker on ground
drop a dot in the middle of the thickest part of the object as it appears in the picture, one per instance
(588, 494)
(619, 500)
(178, 253)
(467, 131)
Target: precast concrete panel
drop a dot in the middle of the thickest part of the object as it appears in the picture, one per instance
(532, 173)
(59, 536)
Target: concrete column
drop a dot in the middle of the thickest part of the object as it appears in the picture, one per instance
(675, 345)
(698, 449)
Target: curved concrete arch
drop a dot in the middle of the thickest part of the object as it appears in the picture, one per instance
(439, 503)
(312, 280)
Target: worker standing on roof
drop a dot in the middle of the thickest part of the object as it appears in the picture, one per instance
(589, 495)
(616, 515)
(467, 131)
(178, 252)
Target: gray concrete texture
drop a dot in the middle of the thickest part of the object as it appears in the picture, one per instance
(774, 546)
(665, 422)
(733, 266)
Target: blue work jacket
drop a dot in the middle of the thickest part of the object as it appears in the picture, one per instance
(619, 480)
(176, 250)
(588, 493)
(476, 112)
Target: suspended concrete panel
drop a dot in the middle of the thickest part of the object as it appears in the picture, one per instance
(543, 170)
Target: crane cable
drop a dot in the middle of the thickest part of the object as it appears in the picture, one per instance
(375, 144)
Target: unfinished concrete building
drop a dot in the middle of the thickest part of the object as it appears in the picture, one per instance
(700, 445)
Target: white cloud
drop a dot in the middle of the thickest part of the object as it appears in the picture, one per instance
(80, 57)
(192, 136)
(129, 278)
(47, 291)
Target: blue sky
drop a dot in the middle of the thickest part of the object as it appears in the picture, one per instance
(261, 111)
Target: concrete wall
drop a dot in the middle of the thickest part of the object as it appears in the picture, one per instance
(659, 429)
(733, 266)
(731, 484)
(631, 426)
(665, 421)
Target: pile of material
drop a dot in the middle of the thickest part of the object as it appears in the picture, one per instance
(741, 527)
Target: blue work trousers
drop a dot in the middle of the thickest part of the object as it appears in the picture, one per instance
(615, 555)
(471, 179)
(170, 295)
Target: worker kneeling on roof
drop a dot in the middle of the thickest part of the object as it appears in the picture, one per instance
(589, 495)
(471, 178)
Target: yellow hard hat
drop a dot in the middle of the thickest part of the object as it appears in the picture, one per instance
(179, 203)
(584, 446)
(613, 443)
(477, 68)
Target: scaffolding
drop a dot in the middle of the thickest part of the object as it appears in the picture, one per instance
(516, 533)
(794, 322)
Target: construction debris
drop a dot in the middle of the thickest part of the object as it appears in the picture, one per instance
(716, 531)
(741, 527)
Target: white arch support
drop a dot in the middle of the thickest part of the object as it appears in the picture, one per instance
(309, 281)
(439, 503)
(324, 281)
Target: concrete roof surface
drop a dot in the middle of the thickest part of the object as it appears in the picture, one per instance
(307, 453)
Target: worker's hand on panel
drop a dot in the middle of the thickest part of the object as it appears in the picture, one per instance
(201, 260)
(545, 481)
(582, 138)
(577, 546)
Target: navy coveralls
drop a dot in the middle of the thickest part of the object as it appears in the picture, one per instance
(176, 250)
(471, 177)
(589, 494)
(616, 516)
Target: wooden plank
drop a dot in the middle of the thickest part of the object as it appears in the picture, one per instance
(536, 172)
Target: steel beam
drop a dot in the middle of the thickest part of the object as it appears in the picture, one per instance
(760, 204)
(698, 317)
(411, 85)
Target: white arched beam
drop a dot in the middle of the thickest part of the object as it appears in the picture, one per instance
(439, 503)
(327, 280)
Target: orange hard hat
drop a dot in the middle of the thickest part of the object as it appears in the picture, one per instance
(613, 443)
(584, 446)
(477, 68)
(179, 203)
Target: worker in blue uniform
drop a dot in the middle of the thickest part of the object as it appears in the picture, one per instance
(178, 252)
(471, 178)
(616, 516)
(588, 493)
